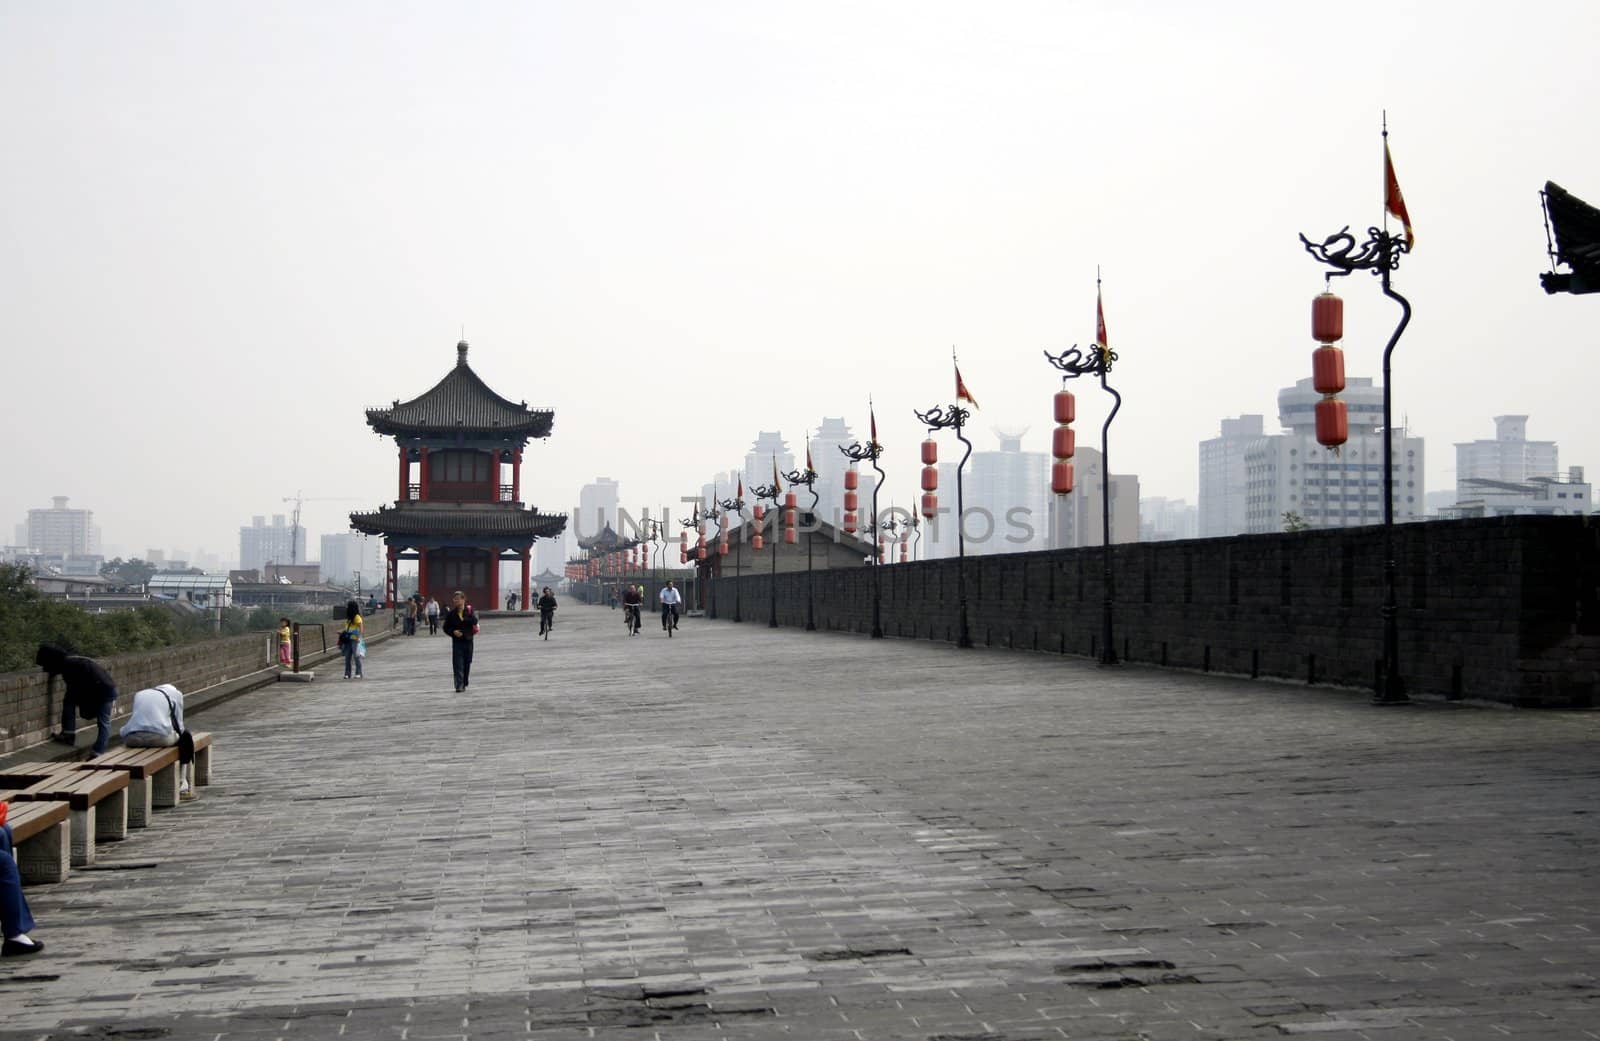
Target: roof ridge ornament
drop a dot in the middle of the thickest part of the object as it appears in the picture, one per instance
(461, 352)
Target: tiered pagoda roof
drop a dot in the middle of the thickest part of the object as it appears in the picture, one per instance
(1576, 227)
(461, 402)
(420, 520)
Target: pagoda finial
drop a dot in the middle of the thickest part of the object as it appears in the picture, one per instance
(461, 352)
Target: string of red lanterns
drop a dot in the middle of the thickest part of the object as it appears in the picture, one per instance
(1327, 370)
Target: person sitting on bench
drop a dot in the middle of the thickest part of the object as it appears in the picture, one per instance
(15, 921)
(156, 722)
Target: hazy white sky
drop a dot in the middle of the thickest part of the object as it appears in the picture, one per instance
(228, 227)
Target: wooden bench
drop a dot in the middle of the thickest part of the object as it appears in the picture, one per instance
(202, 757)
(99, 802)
(152, 778)
(40, 833)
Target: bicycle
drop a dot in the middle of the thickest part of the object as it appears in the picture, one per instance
(630, 618)
(547, 621)
(669, 618)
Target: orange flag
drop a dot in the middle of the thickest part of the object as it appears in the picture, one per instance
(962, 394)
(873, 418)
(1099, 318)
(809, 466)
(1393, 201)
(777, 485)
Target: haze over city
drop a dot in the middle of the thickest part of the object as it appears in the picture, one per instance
(234, 227)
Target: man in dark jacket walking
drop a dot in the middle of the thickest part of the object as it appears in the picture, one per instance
(90, 693)
(461, 625)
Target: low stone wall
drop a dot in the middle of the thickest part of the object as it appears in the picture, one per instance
(29, 710)
(1502, 609)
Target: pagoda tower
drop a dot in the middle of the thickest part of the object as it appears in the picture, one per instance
(459, 511)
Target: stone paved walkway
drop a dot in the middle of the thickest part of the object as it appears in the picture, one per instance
(746, 833)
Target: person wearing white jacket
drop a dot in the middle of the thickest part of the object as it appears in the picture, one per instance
(156, 722)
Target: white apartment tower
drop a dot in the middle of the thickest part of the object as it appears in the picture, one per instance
(1222, 476)
(59, 531)
(1509, 457)
(1329, 488)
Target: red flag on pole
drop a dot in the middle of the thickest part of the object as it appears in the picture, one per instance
(1099, 317)
(1393, 201)
(873, 422)
(962, 394)
(777, 485)
(809, 467)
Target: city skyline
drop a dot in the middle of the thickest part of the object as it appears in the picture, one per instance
(750, 215)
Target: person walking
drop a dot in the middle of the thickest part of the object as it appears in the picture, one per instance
(350, 639)
(461, 625)
(670, 599)
(432, 613)
(90, 693)
(547, 612)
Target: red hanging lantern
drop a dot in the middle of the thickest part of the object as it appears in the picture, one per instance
(1333, 422)
(1327, 369)
(790, 517)
(700, 551)
(1327, 318)
(905, 549)
(930, 452)
(722, 547)
(930, 478)
(789, 501)
(1061, 478)
(852, 502)
(852, 478)
(930, 505)
(756, 542)
(849, 523)
(1066, 407)
(1063, 442)
(880, 547)
(789, 537)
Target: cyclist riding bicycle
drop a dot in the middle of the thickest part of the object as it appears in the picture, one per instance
(632, 600)
(670, 599)
(547, 612)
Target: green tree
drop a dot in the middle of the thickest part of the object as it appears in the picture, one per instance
(1292, 521)
(128, 573)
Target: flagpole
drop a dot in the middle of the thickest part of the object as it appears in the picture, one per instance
(857, 452)
(808, 477)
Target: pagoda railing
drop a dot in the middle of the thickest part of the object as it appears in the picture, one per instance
(461, 491)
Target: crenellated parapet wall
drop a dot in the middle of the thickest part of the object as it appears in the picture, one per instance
(1501, 609)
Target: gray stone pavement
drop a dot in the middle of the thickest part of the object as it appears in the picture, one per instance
(748, 833)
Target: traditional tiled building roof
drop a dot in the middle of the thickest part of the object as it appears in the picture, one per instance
(1576, 227)
(421, 521)
(461, 402)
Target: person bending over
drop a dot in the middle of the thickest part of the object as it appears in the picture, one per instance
(156, 722)
(90, 693)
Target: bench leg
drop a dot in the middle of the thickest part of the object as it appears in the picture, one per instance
(164, 787)
(83, 834)
(202, 766)
(46, 857)
(111, 817)
(138, 794)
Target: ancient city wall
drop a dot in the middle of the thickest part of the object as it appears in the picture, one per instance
(1502, 609)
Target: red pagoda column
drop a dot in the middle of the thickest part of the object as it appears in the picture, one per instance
(526, 560)
(391, 579)
(494, 578)
(422, 568)
(405, 472)
(422, 473)
(516, 496)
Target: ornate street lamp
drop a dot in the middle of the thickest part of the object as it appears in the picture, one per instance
(1073, 363)
(856, 453)
(769, 493)
(807, 477)
(735, 506)
(951, 417)
(1379, 255)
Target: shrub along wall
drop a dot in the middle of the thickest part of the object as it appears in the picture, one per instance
(1502, 609)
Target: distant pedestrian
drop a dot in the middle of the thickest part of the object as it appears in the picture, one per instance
(285, 642)
(351, 639)
(432, 612)
(461, 625)
(411, 617)
(90, 693)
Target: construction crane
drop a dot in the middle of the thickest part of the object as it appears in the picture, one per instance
(299, 500)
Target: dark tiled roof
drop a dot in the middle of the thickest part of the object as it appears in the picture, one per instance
(466, 523)
(606, 541)
(461, 401)
(1576, 225)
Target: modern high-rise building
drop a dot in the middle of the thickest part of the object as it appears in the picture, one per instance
(1079, 520)
(597, 508)
(1011, 489)
(1509, 457)
(1222, 476)
(347, 554)
(63, 532)
(1163, 520)
(277, 543)
(1290, 473)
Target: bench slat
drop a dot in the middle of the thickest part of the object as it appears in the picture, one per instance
(28, 819)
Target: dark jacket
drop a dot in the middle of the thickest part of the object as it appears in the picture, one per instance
(465, 619)
(547, 603)
(89, 685)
